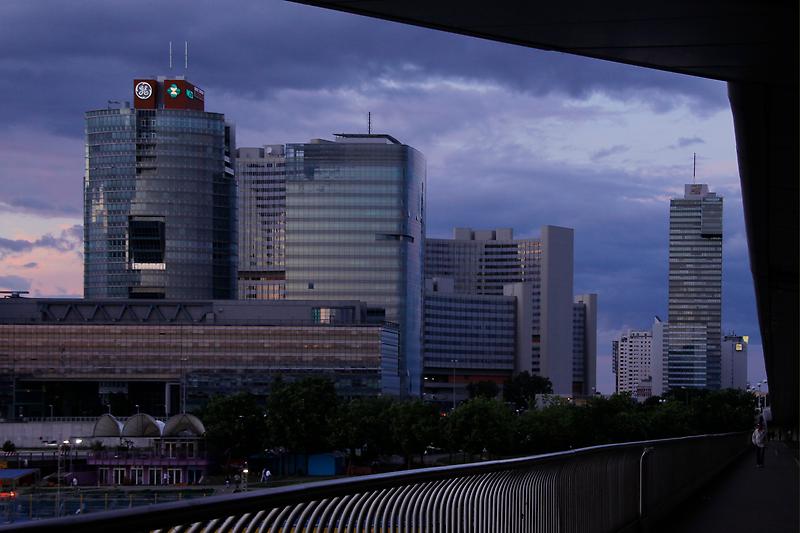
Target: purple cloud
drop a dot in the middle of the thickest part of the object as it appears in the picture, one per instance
(68, 240)
(612, 150)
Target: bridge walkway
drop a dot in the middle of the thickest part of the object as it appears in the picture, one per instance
(746, 498)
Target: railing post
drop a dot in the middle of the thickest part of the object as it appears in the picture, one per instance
(645, 451)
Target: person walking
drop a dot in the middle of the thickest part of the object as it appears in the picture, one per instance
(759, 439)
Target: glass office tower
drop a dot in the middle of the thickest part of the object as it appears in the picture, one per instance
(261, 175)
(355, 224)
(695, 289)
(159, 197)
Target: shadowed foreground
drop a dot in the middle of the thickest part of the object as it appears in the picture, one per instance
(746, 498)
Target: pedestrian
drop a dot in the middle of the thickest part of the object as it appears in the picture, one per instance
(759, 439)
(267, 475)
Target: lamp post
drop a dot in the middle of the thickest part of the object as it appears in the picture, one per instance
(59, 473)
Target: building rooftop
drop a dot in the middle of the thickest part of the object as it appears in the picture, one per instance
(377, 138)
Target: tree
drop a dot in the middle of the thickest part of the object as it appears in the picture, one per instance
(300, 414)
(553, 428)
(522, 389)
(480, 424)
(483, 389)
(362, 423)
(234, 425)
(9, 447)
(414, 425)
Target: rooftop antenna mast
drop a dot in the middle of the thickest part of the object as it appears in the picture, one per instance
(186, 55)
(170, 55)
(369, 122)
(694, 168)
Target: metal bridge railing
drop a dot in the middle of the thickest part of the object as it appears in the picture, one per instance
(601, 488)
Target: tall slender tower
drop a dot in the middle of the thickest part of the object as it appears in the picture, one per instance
(695, 289)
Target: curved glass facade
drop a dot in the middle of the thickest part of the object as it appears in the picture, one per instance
(159, 205)
(355, 228)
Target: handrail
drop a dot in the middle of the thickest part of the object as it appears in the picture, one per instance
(163, 516)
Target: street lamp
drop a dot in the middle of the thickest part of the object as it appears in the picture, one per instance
(59, 468)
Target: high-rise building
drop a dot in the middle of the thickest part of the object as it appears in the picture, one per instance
(159, 197)
(345, 221)
(631, 354)
(734, 362)
(261, 178)
(538, 273)
(584, 344)
(695, 289)
(657, 355)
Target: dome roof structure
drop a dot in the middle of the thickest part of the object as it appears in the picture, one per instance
(142, 425)
(107, 426)
(184, 425)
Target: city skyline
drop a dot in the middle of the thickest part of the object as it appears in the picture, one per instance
(552, 139)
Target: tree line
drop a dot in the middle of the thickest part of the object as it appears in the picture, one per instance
(307, 416)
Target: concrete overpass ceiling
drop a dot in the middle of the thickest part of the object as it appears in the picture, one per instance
(752, 44)
(728, 41)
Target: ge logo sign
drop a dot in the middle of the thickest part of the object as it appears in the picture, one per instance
(143, 90)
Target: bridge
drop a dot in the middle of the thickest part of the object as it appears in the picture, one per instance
(616, 487)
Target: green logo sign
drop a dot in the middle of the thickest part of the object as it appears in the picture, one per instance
(173, 91)
(189, 94)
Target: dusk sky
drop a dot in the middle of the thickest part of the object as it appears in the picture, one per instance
(514, 137)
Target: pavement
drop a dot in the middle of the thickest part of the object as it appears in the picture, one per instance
(746, 498)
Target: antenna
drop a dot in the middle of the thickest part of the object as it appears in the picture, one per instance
(369, 122)
(186, 55)
(170, 55)
(694, 168)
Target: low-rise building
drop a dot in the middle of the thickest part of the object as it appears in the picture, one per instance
(63, 357)
(170, 452)
(467, 338)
